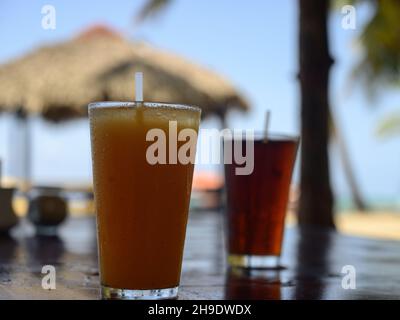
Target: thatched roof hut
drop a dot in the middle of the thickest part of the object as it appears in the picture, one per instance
(59, 81)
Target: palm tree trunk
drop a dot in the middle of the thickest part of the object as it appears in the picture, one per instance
(316, 199)
(348, 169)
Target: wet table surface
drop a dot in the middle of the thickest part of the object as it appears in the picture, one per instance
(313, 262)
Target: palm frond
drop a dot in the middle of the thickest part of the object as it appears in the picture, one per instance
(151, 8)
(380, 41)
(389, 126)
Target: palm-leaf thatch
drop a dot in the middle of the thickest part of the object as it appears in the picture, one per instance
(59, 81)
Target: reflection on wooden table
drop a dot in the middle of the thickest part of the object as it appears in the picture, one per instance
(312, 265)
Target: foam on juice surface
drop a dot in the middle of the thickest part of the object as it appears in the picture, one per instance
(153, 116)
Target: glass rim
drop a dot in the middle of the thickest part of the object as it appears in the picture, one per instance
(259, 134)
(124, 104)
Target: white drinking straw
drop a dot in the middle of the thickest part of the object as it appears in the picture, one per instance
(139, 86)
(267, 121)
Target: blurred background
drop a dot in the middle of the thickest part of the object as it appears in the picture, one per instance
(235, 59)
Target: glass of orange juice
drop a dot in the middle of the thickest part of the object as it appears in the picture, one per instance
(142, 192)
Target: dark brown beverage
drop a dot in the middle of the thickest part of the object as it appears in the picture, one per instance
(256, 203)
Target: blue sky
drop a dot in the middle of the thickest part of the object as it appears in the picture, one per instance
(254, 43)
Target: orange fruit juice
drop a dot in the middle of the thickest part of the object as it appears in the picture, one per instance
(142, 208)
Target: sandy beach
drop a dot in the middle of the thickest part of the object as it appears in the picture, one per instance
(376, 224)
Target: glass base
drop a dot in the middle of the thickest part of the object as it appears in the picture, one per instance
(47, 231)
(253, 262)
(128, 294)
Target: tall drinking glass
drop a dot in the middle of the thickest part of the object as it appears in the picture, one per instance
(142, 190)
(256, 203)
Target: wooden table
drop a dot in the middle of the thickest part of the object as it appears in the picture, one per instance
(313, 260)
